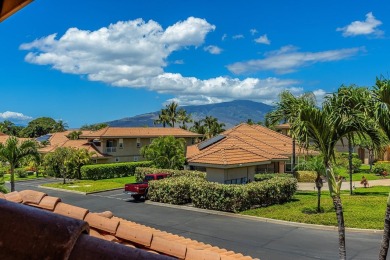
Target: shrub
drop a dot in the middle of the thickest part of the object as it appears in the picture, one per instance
(342, 161)
(3, 189)
(380, 167)
(20, 172)
(267, 176)
(111, 170)
(172, 190)
(306, 176)
(140, 173)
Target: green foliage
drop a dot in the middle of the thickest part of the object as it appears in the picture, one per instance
(94, 127)
(380, 167)
(111, 170)
(21, 173)
(166, 152)
(341, 160)
(208, 127)
(140, 173)
(216, 196)
(74, 135)
(173, 190)
(306, 176)
(267, 176)
(39, 127)
(3, 189)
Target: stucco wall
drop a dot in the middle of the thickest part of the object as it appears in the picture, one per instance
(221, 175)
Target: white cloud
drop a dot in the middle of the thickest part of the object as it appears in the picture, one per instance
(14, 116)
(224, 36)
(180, 62)
(369, 26)
(253, 31)
(134, 54)
(213, 49)
(238, 36)
(288, 59)
(263, 39)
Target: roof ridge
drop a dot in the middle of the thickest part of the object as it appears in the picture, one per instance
(273, 132)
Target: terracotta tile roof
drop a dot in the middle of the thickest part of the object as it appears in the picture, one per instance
(60, 140)
(120, 231)
(283, 126)
(4, 138)
(243, 144)
(133, 132)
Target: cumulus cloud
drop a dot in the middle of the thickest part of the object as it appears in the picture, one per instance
(263, 39)
(213, 49)
(367, 27)
(238, 36)
(288, 59)
(253, 31)
(134, 54)
(14, 117)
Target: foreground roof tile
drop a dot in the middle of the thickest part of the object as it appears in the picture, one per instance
(48, 202)
(70, 211)
(14, 197)
(168, 247)
(102, 223)
(31, 196)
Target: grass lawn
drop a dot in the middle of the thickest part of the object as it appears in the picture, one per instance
(364, 171)
(92, 186)
(365, 209)
(7, 177)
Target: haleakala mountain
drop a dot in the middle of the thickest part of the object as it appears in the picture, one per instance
(230, 113)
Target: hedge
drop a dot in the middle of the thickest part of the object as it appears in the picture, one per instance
(111, 170)
(306, 176)
(140, 173)
(223, 197)
(267, 176)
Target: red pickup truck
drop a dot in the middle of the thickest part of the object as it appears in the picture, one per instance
(139, 190)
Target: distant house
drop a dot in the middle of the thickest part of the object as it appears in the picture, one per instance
(123, 144)
(237, 154)
(115, 144)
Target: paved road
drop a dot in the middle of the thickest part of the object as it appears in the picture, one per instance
(250, 237)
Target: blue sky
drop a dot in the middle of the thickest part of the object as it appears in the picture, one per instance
(86, 62)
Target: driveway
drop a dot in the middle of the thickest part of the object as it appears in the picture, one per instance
(248, 236)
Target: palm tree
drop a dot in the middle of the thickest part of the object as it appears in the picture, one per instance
(77, 159)
(12, 151)
(184, 118)
(346, 103)
(60, 126)
(172, 113)
(317, 127)
(162, 118)
(212, 126)
(74, 135)
(199, 128)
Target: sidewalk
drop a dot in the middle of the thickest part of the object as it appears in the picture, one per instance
(310, 186)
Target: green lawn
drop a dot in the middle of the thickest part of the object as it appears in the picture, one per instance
(93, 186)
(7, 177)
(365, 209)
(364, 171)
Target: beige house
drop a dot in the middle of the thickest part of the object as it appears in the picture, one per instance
(123, 144)
(237, 154)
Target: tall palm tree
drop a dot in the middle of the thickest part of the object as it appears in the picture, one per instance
(381, 93)
(12, 151)
(172, 113)
(199, 128)
(60, 126)
(346, 103)
(162, 118)
(184, 118)
(212, 127)
(317, 127)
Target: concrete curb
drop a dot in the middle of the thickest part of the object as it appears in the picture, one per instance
(261, 219)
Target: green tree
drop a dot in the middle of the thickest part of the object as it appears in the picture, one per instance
(13, 151)
(74, 135)
(39, 127)
(166, 152)
(317, 127)
(199, 128)
(94, 127)
(59, 162)
(77, 159)
(9, 128)
(172, 113)
(162, 118)
(212, 127)
(183, 118)
(60, 126)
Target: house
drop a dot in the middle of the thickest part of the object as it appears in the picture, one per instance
(237, 154)
(123, 144)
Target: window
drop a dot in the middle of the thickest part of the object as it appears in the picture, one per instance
(138, 142)
(237, 181)
(120, 143)
(117, 159)
(160, 177)
(136, 158)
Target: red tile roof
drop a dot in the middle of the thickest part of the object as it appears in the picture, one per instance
(243, 144)
(135, 132)
(110, 228)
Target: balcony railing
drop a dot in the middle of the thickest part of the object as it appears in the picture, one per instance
(110, 149)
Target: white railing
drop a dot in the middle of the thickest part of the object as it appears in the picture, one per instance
(110, 149)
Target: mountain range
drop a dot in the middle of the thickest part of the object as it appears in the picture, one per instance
(230, 113)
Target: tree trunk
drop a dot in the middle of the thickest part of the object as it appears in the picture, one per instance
(370, 158)
(350, 150)
(386, 233)
(341, 227)
(12, 171)
(319, 186)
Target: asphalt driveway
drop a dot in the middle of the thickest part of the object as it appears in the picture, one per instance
(248, 236)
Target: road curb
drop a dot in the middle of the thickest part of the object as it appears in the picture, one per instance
(261, 219)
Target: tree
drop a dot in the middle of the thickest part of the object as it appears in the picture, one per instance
(60, 126)
(13, 151)
(39, 127)
(212, 127)
(74, 135)
(317, 127)
(172, 113)
(162, 118)
(9, 128)
(199, 128)
(184, 118)
(77, 159)
(366, 143)
(166, 152)
(94, 127)
(58, 162)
